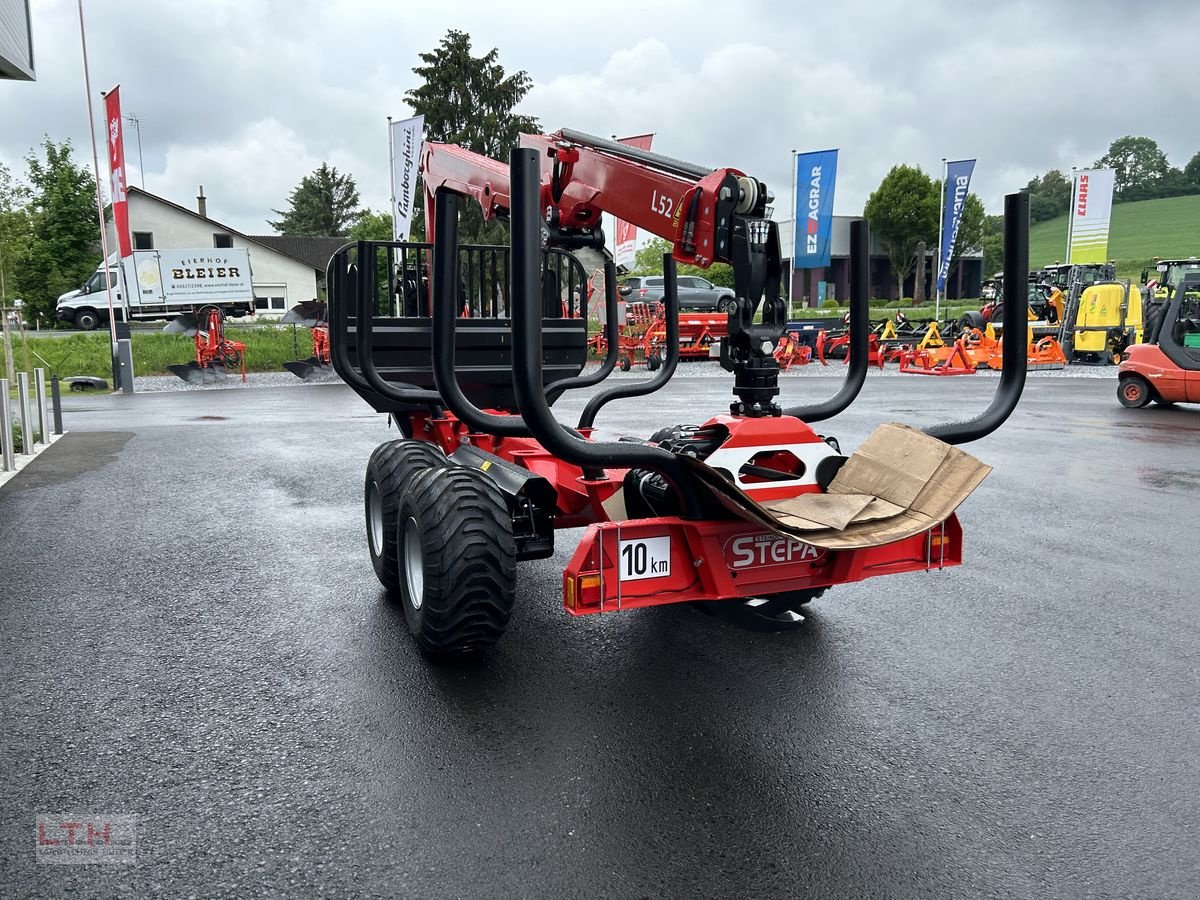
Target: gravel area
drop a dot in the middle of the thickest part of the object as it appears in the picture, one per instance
(701, 369)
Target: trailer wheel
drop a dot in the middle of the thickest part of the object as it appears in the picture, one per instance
(778, 612)
(1133, 392)
(457, 560)
(624, 364)
(390, 467)
(654, 360)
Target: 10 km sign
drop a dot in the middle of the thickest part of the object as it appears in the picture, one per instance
(644, 558)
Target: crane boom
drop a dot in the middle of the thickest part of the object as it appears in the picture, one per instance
(708, 215)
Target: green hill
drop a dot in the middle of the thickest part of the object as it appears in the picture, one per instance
(1140, 231)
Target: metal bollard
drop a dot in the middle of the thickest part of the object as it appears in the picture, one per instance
(39, 393)
(7, 461)
(23, 413)
(56, 401)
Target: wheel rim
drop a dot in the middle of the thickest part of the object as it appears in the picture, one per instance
(375, 518)
(1133, 393)
(414, 563)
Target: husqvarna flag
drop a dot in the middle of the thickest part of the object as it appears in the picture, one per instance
(406, 160)
(954, 198)
(627, 232)
(815, 177)
(1091, 212)
(115, 139)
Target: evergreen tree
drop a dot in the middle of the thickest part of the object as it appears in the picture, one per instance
(325, 203)
(469, 100)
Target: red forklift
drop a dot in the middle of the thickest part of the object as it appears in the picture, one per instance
(1165, 368)
(485, 474)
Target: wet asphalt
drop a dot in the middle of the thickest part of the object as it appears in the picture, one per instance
(191, 633)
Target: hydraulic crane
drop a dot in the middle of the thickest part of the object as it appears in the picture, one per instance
(708, 215)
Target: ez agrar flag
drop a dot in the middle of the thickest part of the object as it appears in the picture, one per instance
(954, 198)
(115, 139)
(406, 161)
(815, 177)
(625, 231)
(1091, 214)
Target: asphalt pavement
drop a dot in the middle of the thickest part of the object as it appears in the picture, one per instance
(191, 634)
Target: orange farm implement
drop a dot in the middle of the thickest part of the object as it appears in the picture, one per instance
(215, 353)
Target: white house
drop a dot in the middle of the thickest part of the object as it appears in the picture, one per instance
(284, 271)
(16, 41)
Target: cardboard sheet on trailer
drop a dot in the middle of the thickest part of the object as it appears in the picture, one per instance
(899, 483)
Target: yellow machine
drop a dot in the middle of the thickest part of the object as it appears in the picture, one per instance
(1107, 321)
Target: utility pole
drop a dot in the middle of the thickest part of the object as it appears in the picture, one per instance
(137, 126)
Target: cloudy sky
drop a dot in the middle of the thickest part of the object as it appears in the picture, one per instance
(247, 96)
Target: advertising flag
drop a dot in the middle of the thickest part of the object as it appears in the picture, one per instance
(627, 233)
(406, 161)
(954, 198)
(116, 166)
(815, 177)
(1091, 212)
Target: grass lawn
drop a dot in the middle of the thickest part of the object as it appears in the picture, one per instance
(89, 353)
(1140, 231)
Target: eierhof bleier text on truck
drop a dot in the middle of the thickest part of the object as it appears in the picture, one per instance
(164, 284)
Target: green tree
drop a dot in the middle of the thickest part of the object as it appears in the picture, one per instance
(14, 238)
(372, 226)
(325, 203)
(902, 212)
(63, 230)
(1191, 172)
(1049, 196)
(992, 244)
(469, 100)
(1141, 168)
(14, 227)
(649, 261)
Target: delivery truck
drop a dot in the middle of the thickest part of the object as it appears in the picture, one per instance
(164, 284)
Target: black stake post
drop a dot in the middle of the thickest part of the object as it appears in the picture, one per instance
(56, 403)
(612, 336)
(526, 222)
(670, 353)
(860, 331)
(445, 311)
(1015, 341)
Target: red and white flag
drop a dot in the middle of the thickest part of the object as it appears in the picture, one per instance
(627, 233)
(115, 139)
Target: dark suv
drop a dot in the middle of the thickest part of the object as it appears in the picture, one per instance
(694, 293)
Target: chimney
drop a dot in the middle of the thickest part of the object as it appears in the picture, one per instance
(201, 203)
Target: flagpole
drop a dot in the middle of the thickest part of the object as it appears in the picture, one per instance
(392, 175)
(87, 86)
(792, 251)
(937, 291)
(1071, 212)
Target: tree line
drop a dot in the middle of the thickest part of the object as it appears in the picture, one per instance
(1143, 172)
(49, 234)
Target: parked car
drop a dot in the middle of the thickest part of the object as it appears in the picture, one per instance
(695, 293)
